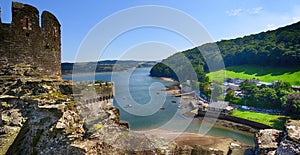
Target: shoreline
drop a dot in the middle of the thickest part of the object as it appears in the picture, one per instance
(167, 79)
(192, 139)
(190, 111)
(106, 72)
(237, 127)
(84, 73)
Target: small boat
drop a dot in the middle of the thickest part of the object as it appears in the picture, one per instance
(173, 101)
(128, 106)
(162, 108)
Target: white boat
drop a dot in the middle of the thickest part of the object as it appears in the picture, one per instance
(128, 106)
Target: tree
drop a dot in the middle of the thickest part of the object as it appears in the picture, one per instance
(229, 95)
(267, 98)
(249, 89)
(281, 85)
(201, 74)
(292, 105)
(162, 70)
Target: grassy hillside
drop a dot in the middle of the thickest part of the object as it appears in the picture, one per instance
(277, 48)
(266, 74)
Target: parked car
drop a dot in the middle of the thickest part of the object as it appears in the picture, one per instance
(245, 107)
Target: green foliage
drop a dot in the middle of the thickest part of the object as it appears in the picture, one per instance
(204, 88)
(180, 67)
(267, 56)
(292, 105)
(275, 121)
(278, 48)
(201, 74)
(263, 97)
(282, 86)
(266, 74)
(264, 49)
(267, 98)
(249, 89)
(229, 95)
(162, 70)
(231, 98)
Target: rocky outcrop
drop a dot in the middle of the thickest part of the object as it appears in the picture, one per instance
(267, 140)
(38, 114)
(293, 130)
(287, 147)
(41, 115)
(31, 107)
(276, 142)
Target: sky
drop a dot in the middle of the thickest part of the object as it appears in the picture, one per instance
(221, 19)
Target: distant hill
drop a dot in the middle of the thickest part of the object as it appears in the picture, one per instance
(104, 66)
(277, 48)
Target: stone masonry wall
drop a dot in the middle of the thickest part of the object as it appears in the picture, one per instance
(25, 41)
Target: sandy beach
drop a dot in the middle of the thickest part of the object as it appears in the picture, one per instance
(192, 139)
(167, 79)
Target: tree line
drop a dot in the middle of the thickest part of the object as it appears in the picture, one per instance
(280, 96)
(277, 48)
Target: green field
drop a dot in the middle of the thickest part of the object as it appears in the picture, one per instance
(275, 121)
(265, 74)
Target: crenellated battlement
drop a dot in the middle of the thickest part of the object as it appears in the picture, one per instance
(93, 100)
(99, 93)
(25, 41)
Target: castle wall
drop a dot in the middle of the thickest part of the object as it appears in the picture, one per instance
(92, 99)
(24, 41)
(100, 93)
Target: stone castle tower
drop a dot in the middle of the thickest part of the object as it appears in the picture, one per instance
(24, 41)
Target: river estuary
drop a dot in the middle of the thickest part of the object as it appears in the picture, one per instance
(144, 104)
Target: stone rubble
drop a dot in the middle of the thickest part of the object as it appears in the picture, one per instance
(276, 142)
(39, 115)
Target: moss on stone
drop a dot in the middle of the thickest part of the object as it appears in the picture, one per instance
(70, 105)
(98, 126)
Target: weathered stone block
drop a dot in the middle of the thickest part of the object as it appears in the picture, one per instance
(24, 41)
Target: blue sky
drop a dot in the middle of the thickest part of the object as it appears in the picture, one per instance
(222, 19)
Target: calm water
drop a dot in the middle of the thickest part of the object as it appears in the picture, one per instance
(140, 98)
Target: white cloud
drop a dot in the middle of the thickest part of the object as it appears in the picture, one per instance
(277, 20)
(261, 19)
(234, 12)
(255, 10)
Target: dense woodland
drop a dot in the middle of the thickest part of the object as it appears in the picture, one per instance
(277, 48)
